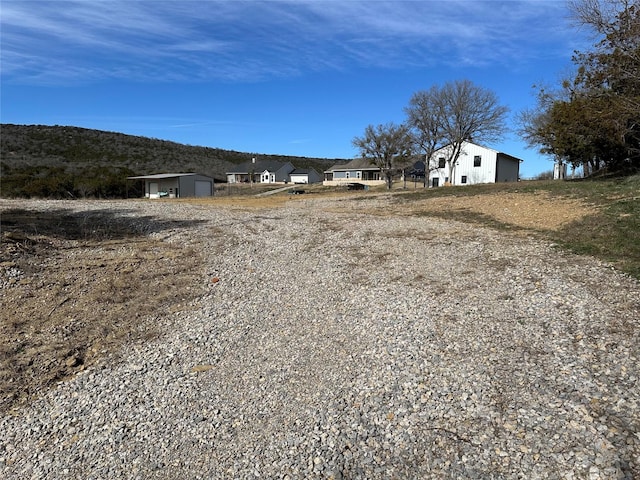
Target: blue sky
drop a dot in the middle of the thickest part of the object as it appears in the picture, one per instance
(280, 77)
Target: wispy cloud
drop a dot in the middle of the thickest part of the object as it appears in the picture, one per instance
(80, 41)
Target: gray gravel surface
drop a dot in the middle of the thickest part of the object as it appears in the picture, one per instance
(345, 345)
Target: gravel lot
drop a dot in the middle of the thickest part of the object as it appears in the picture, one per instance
(336, 344)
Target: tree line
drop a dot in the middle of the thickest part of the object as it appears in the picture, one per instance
(592, 121)
(72, 162)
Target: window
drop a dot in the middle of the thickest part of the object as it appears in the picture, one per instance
(463, 179)
(441, 162)
(347, 175)
(477, 160)
(435, 182)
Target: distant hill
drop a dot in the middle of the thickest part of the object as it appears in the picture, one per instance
(62, 161)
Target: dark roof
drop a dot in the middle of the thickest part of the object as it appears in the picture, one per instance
(302, 171)
(356, 164)
(506, 156)
(162, 175)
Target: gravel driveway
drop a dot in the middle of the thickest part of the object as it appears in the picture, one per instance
(336, 344)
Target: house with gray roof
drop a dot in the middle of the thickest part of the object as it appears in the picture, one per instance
(261, 171)
(271, 171)
(360, 171)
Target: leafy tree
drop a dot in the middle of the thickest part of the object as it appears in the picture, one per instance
(534, 124)
(386, 146)
(594, 120)
(446, 117)
(610, 73)
(594, 141)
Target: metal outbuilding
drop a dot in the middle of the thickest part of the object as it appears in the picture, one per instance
(475, 164)
(176, 185)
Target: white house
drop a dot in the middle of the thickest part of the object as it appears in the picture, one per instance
(176, 185)
(476, 164)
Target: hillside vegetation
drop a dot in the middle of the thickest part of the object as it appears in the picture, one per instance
(68, 162)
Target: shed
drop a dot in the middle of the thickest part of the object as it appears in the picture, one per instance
(476, 164)
(176, 185)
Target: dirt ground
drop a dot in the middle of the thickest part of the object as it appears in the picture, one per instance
(74, 290)
(531, 210)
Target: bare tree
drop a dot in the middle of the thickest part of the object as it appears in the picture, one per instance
(600, 15)
(469, 113)
(386, 146)
(423, 115)
(446, 117)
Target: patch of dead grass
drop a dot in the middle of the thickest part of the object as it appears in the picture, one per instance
(245, 202)
(539, 211)
(80, 298)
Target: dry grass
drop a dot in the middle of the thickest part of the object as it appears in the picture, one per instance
(530, 210)
(244, 202)
(598, 217)
(90, 284)
(252, 201)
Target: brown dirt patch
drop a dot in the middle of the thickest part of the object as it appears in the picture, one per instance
(253, 202)
(76, 287)
(539, 211)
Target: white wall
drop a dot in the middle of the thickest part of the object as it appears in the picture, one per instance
(154, 188)
(485, 173)
(559, 171)
(304, 178)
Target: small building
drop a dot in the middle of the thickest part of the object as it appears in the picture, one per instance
(359, 171)
(559, 171)
(476, 164)
(176, 185)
